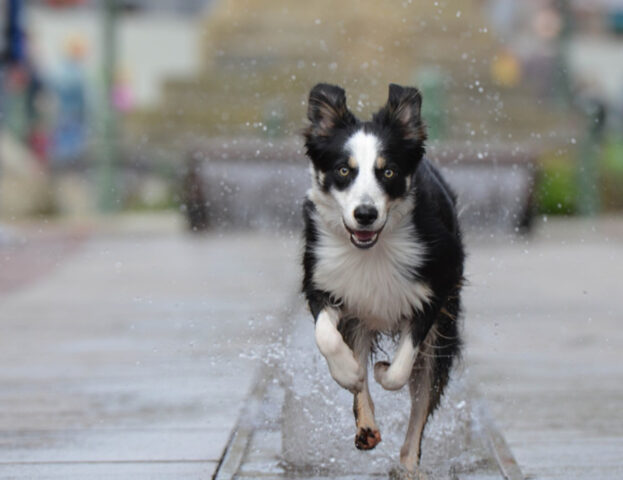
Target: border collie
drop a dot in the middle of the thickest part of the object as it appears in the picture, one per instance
(383, 256)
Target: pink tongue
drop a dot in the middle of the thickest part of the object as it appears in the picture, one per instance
(363, 235)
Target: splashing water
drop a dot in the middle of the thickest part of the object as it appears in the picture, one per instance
(314, 417)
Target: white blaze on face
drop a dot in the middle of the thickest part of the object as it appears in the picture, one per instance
(364, 150)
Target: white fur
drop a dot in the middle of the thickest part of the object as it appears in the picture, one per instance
(344, 368)
(364, 149)
(376, 285)
(396, 375)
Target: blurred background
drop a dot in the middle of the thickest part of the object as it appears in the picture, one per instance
(151, 179)
(164, 105)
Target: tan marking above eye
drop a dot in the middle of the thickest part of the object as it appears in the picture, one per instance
(352, 163)
(380, 162)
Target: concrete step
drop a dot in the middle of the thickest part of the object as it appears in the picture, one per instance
(261, 185)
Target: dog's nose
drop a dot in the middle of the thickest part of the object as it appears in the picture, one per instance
(365, 214)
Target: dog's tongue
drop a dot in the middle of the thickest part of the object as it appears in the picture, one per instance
(363, 235)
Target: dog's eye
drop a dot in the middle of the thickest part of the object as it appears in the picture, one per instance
(343, 171)
(388, 173)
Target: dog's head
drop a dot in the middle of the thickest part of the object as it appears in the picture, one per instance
(363, 170)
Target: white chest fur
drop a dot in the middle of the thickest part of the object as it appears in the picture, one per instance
(376, 285)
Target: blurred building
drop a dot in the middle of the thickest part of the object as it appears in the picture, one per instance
(157, 39)
(259, 63)
(500, 78)
(183, 7)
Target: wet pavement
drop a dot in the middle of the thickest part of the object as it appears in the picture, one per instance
(129, 359)
(138, 356)
(299, 424)
(545, 342)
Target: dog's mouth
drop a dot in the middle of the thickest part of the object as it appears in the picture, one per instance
(363, 238)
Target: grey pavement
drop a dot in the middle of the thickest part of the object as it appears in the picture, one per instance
(543, 322)
(134, 356)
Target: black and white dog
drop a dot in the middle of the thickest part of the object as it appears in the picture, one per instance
(383, 255)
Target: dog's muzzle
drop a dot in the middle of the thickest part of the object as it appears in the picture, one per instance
(363, 238)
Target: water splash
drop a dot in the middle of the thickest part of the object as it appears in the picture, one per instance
(313, 416)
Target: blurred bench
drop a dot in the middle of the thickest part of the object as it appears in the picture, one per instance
(260, 183)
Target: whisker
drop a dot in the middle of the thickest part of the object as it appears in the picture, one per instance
(445, 336)
(434, 355)
(448, 314)
(433, 346)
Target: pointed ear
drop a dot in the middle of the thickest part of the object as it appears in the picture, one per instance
(403, 109)
(327, 109)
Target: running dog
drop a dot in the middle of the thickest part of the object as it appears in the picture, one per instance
(383, 256)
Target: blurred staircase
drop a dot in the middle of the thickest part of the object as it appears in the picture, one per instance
(261, 59)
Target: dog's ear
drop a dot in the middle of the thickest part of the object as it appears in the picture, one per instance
(327, 109)
(403, 109)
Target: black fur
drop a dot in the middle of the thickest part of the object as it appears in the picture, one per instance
(402, 133)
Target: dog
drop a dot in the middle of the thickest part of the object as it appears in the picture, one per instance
(383, 255)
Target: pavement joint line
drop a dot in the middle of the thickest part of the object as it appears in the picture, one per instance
(240, 439)
(499, 448)
(234, 453)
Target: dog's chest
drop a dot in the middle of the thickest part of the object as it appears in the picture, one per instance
(376, 285)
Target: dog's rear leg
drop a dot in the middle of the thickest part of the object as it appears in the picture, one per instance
(368, 435)
(426, 385)
(420, 386)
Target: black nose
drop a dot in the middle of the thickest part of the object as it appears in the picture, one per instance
(365, 214)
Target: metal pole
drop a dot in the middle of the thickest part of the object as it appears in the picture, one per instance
(563, 88)
(589, 154)
(11, 53)
(108, 188)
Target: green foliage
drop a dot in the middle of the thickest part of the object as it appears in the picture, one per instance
(612, 174)
(557, 185)
(556, 190)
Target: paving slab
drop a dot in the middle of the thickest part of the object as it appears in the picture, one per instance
(545, 342)
(132, 358)
(110, 470)
(544, 349)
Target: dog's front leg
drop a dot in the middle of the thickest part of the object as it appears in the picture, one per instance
(368, 435)
(394, 376)
(344, 367)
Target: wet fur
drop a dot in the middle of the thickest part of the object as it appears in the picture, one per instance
(416, 268)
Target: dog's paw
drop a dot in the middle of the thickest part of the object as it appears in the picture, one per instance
(367, 438)
(388, 377)
(346, 371)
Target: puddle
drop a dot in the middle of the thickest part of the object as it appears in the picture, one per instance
(304, 426)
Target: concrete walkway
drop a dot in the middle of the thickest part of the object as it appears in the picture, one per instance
(545, 341)
(132, 358)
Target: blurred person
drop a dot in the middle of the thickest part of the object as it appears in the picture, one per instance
(12, 72)
(36, 96)
(24, 90)
(71, 117)
(122, 94)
